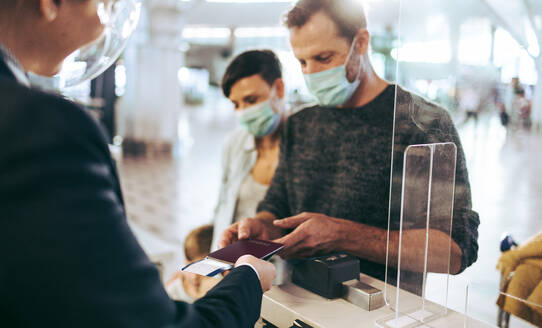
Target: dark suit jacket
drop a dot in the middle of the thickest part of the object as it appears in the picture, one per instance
(67, 255)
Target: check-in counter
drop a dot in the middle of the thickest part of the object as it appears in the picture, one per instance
(285, 304)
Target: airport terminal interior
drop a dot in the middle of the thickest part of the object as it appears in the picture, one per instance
(167, 121)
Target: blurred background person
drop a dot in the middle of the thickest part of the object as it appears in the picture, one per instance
(469, 102)
(523, 107)
(512, 103)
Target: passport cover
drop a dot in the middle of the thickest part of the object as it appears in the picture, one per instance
(261, 249)
(224, 259)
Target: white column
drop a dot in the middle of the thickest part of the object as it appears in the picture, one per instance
(536, 108)
(148, 113)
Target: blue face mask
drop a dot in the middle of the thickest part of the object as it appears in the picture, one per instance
(259, 120)
(331, 87)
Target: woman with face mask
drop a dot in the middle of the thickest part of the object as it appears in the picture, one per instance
(253, 82)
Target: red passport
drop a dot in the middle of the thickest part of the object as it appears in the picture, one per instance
(224, 259)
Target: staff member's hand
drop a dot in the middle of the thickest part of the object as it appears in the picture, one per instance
(266, 270)
(313, 234)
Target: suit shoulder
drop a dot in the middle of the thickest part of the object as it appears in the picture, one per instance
(42, 111)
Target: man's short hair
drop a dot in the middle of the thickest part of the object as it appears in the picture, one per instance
(348, 15)
(262, 62)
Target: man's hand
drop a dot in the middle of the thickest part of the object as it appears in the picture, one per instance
(317, 234)
(260, 227)
(314, 234)
(244, 229)
(266, 270)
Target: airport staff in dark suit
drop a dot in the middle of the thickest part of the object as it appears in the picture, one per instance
(68, 257)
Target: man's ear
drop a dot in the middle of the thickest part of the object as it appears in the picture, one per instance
(360, 47)
(49, 9)
(362, 40)
(279, 87)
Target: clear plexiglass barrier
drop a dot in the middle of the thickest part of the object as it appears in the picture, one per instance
(465, 218)
(422, 242)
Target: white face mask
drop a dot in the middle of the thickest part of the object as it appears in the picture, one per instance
(331, 87)
(263, 118)
(119, 18)
(260, 119)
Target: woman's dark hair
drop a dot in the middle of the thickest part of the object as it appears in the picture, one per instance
(262, 62)
(348, 15)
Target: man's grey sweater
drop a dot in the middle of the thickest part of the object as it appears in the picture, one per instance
(337, 161)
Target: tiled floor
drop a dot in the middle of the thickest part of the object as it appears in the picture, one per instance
(169, 197)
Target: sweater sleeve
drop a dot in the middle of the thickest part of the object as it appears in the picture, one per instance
(438, 127)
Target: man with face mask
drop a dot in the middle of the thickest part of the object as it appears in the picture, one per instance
(331, 190)
(68, 256)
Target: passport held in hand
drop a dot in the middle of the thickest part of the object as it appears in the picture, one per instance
(224, 259)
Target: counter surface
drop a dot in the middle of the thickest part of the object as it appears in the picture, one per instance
(283, 304)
